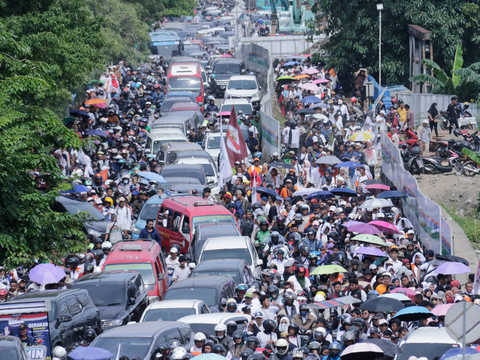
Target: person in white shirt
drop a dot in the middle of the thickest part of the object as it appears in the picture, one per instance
(172, 259)
(343, 110)
(124, 214)
(182, 271)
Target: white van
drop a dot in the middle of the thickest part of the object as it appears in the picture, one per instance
(157, 137)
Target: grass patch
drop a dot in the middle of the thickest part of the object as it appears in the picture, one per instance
(280, 119)
(469, 223)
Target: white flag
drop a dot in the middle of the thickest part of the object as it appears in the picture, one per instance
(224, 167)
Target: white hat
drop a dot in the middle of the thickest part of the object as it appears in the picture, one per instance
(382, 321)
(275, 153)
(410, 232)
(90, 199)
(425, 121)
(173, 250)
(332, 208)
(372, 267)
(382, 112)
(386, 273)
(340, 102)
(98, 201)
(340, 178)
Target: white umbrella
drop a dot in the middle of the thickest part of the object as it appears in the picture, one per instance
(398, 296)
(329, 160)
(377, 203)
(305, 191)
(361, 351)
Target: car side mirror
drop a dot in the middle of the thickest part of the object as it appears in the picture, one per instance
(224, 301)
(259, 88)
(259, 262)
(186, 230)
(65, 318)
(132, 300)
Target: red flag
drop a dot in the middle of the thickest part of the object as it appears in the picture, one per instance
(236, 146)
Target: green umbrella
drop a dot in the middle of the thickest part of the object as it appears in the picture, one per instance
(371, 239)
(285, 77)
(93, 81)
(68, 119)
(328, 269)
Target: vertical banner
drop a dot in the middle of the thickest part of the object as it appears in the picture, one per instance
(476, 283)
(270, 134)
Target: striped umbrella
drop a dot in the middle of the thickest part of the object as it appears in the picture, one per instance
(361, 136)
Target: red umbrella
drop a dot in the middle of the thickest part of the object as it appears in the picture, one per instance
(377, 187)
(384, 226)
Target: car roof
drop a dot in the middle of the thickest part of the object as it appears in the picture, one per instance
(221, 264)
(171, 134)
(200, 155)
(133, 251)
(114, 276)
(178, 303)
(235, 101)
(182, 99)
(243, 77)
(47, 294)
(196, 205)
(428, 335)
(213, 318)
(182, 146)
(183, 106)
(155, 200)
(201, 281)
(228, 60)
(144, 329)
(9, 342)
(182, 181)
(181, 167)
(227, 242)
(186, 94)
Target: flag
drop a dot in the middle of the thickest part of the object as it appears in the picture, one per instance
(225, 171)
(118, 351)
(235, 143)
(476, 282)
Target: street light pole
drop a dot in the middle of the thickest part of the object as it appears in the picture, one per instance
(379, 8)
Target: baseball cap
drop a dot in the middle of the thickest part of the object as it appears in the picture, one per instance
(258, 314)
(99, 201)
(173, 250)
(298, 216)
(372, 266)
(386, 273)
(227, 196)
(121, 199)
(23, 327)
(264, 198)
(382, 321)
(410, 232)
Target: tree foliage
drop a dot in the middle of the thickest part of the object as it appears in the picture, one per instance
(352, 28)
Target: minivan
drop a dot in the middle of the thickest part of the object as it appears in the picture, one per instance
(157, 137)
(186, 77)
(167, 152)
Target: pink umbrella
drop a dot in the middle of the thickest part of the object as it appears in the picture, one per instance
(352, 222)
(441, 310)
(226, 55)
(103, 106)
(378, 187)
(384, 226)
(310, 86)
(321, 81)
(363, 228)
(310, 71)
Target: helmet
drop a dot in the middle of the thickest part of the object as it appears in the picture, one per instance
(320, 331)
(222, 327)
(312, 256)
(282, 346)
(293, 327)
(178, 354)
(241, 287)
(73, 262)
(107, 245)
(59, 352)
(304, 249)
(266, 273)
(275, 236)
(263, 223)
(359, 322)
(90, 335)
(311, 232)
(88, 268)
(231, 327)
(218, 349)
(98, 252)
(314, 345)
(353, 100)
(269, 326)
(252, 341)
(212, 76)
(231, 304)
(348, 336)
(187, 356)
(297, 354)
(457, 132)
(238, 334)
(89, 257)
(163, 348)
(273, 291)
(246, 353)
(175, 344)
(335, 346)
(199, 336)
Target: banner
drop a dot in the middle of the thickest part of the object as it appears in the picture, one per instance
(476, 283)
(235, 143)
(225, 172)
(270, 134)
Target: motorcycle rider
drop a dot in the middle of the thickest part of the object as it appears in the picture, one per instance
(221, 334)
(211, 107)
(213, 86)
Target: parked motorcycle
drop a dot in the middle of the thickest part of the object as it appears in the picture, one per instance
(435, 165)
(412, 161)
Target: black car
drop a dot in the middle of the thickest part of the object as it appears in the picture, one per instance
(97, 223)
(186, 170)
(11, 348)
(203, 232)
(71, 313)
(237, 269)
(224, 68)
(167, 103)
(213, 290)
(120, 296)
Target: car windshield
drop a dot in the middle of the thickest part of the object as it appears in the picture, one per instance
(208, 169)
(197, 220)
(207, 295)
(129, 346)
(205, 328)
(231, 273)
(168, 103)
(150, 211)
(10, 354)
(80, 207)
(242, 85)
(226, 254)
(158, 144)
(431, 351)
(188, 174)
(104, 294)
(145, 269)
(246, 108)
(227, 69)
(170, 314)
(167, 51)
(213, 142)
(184, 83)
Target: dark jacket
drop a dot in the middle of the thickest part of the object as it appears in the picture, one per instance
(154, 235)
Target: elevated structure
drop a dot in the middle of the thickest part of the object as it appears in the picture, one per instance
(420, 48)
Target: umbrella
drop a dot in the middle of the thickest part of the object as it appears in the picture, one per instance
(266, 191)
(95, 101)
(304, 191)
(398, 296)
(452, 258)
(310, 100)
(388, 347)
(441, 310)
(152, 176)
(68, 120)
(458, 351)
(321, 106)
(377, 203)
(78, 113)
(320, 195)
(210, 356)
(362, 350)
(281, 165)
(371, 239)
(369, 182)
(370, 251)
(391, 194)
(378, 187)
(96, 132)
(76, 189)
(226, 56)
(343, 191)
(384, 226)
(328, 269)
(90, 353)
(361, 136)
(310, 71)
(321, 81)
(350, 164)
(352, 222)
(103, 106)
(452, 268)
(291, 63)
(405, 291)
(413, 313)
(329, 160)
(382, 304)
(303, 76)
(285, 78)
(305, 111)
(310, 86)
(340, 301)
(363, 228)
(47, 274)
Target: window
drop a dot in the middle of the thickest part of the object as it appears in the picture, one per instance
(159, 340)
(204, 309)
(160, 216)
(74, 307)
(64, 309)
(84, 300)
(173, 335)
(176, 221)
(186, 334)
(247, 275)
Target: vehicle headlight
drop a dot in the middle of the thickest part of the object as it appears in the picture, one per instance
(116, 322)
(136, 230)
(94, 233)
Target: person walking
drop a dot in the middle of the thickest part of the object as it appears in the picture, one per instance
(424, 133)
(433, 116)
(452, 114)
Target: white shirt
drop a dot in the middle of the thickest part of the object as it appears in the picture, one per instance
(181, 274)
(172, 264)
(124, 217)
(263, 338)
(296, 285)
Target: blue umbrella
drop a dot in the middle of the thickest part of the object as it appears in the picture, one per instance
(458, 351)
(76, 189)
(210, 356)
(343, 192)
(350, 164)
(78, 112)
(96, 132)
(291, 63)
(310, 100)
(391, 194)
(320, 195)
(413, 313)
(152, 176)
(266, 191)
(90, 353)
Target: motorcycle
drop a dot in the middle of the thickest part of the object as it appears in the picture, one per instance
(433, 165)
(412, 161)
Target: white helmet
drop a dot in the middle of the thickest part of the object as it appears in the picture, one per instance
(282, 343)
(220, 327)
(199, 336)
(79, 172)
(321, 330)
(178, 353)
(59, 352)
(319, 297)
(107, 245)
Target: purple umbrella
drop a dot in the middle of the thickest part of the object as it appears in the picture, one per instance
(370, 251)
(363, 228)
(452, 268)
(352, 222)
(90, 353)
(47, 274)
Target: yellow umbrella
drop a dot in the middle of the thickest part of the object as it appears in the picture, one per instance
(95, 101)
(303, 76)
(361, 136)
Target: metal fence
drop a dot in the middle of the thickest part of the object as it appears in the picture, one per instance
(424, 214)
